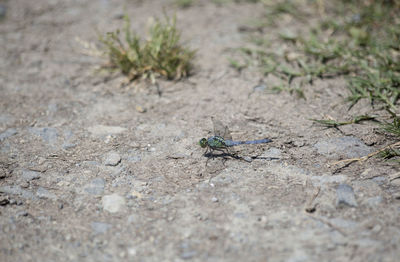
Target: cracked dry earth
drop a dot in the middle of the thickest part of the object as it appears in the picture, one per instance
(93, 170)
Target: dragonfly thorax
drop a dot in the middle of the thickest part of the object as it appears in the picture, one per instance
(216, 142)
(213, 142)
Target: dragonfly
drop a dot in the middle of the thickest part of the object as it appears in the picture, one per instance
(222, 139)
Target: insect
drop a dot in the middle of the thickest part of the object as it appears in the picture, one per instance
(222, 139)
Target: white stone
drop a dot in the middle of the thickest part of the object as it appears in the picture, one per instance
(112, 159)
(113, 203)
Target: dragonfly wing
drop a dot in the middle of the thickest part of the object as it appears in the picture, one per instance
(220, 129)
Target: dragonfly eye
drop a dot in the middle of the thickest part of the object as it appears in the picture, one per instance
(203, 142)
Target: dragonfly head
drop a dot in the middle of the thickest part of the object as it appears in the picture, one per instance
(203, 142)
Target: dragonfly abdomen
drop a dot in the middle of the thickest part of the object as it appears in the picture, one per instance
(250, 142)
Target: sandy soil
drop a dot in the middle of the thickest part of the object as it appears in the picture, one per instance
(92, 170)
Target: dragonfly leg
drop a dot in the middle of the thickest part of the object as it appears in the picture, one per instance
(205, 153)
(224, 160)
(224, 150)
(226, 153)
(230, 152)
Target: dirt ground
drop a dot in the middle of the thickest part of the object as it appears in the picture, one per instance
(93, 170)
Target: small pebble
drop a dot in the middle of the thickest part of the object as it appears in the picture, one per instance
(67, 146)
(260, 87)
(100, 228)
(9, 132)
(299, 143)
(95, 186)
(187, 251)
(44, 193)
(29, 175)
(272, 152)
(22, 214)
(343, 223)
(395, 182)
(3, 173)
(214, 199)
(345, 196)
(380, 180)
(247, 159)
(132, 219)
(135, 158)
(101, 130)
(4, 201)
(346, 146)
(24, 184)
(132, 251)
(376, 229)
(3, 11)
(113, 203)
(188, 254)
(374, 201)
(17, 190)
(140, 109)
(112, 159)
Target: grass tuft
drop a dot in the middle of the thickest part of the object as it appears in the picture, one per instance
(393, 128)
(162, 55)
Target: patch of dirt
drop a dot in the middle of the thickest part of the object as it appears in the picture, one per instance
(62, 120)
